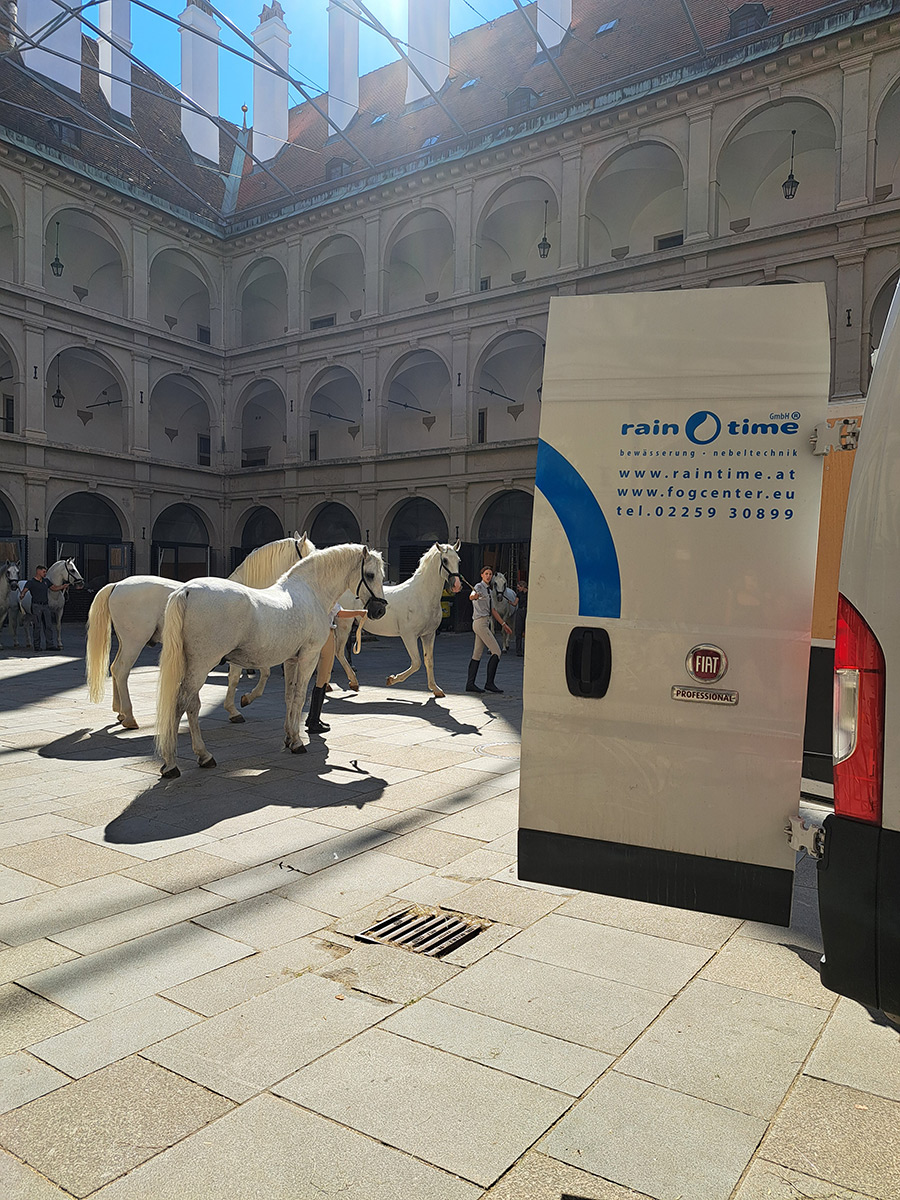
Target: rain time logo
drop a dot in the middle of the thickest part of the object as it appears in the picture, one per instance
(704, 427)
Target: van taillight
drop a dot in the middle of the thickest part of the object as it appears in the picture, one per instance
(858, 717)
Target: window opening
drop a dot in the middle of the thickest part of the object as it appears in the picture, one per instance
(481, 436)
(484, 284)
(335, 168)
(668, 240)
(323, 322)
(203, 450)
(9, 414)
(313, 446)
(609, 25)
(747, 19)
(520, 100)
(203, 334)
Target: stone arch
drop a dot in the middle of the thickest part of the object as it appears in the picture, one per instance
(180, 542)
(509, 228)
(10, 517)
(180, 415)
(92, 257)
(508, 380)
(12, 387)
(755, 160)
(635, 202)
(262, 302)
(260, 525)
(417, 392)
(10, 224)
(878, 315)
(332, 524)
(887, 146)
(182, 295)
(419, 260)
(92, 529)
(84, 398)
(334, 407)
(261, 420)
(413, 525)
(502, 529)
(335, 282)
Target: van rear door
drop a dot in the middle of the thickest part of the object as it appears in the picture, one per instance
(670, 595)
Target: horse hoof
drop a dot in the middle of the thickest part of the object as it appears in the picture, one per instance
(245, 700)
(129, 723)
(439, 695)
(354, 687)
(298, 749)
(172, 773)
(209, 762)
(237, 719)
(390, 679)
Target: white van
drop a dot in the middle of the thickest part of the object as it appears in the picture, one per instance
(859, 872)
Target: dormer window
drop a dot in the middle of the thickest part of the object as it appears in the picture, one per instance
(748, 18)
(69, 135)
(521, 100)
(432, 141)
(335, 168)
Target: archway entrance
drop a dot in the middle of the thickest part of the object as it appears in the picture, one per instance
(334, 525)
(180, 544)
(504, 535)
(86, 528)
(13, 546)
(261, 527)
(415, 527)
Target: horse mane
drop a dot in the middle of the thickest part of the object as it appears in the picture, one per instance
(430, 554)
(266, 563)
(329, 550)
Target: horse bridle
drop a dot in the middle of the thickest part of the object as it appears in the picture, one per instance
(69, 579)
(450, 574)
(364, 583)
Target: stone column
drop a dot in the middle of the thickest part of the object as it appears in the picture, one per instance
(459, 389)
(36, 257)
(854, 132)
(370, 443)
(34, 416)
(294, 272)
(848, 377)
(140, 302)
(464, 245)
(698, 185)
(570, 206)
(373, 265)
(140, 391)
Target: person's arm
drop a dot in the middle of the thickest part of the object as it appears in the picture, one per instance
(58, 587)
(349, 614)
(503, 624)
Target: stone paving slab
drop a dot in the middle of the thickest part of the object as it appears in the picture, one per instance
(271, 1149)
(675, 924)
(538, 1177)
(770, 1181)
(124, 927)
(103, 1041)
(18, 1180)
(859, 1050)
(456, 1114)
(114, 1119)
(66, 907)
(598, 1013)
(506, 903)
(264, 921)
(732, 1047)
(18, 962)
(263, 844)
(232, 985)
(16, 885)
(349, 885)
(61, 860)
(656, 1141)
(762, 966)
(252, 1046)
(550, 1062)
(182, 871)
(431, 847)
(634, 958)
(390, 973)
(114, 978)
(144, 839)
(26, 1018)
(32, 829)
(486, 821)
(838, 1134)
(23, 1079)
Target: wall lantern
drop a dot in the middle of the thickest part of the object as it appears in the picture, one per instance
(790, 185)
(58, 397)
(543, 244)
(56, 266)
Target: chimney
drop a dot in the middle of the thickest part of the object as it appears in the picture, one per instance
(200, 78)
(553, 20)
(33, 15)
(270, 91)
(429, 46)
(343, 65)
(115, 46)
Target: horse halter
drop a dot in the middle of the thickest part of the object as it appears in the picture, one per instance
(375, 606)
(451, 575)
(78, 581)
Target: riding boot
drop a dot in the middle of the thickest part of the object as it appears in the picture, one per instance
(313, 724)
(490, 686)
(471, 686)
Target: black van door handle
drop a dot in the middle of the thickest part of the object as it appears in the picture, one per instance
(588, 662)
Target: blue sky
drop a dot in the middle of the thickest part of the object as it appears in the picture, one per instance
(157, 42)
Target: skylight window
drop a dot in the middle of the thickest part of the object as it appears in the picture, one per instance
(381, 117)
(430, 141)
(607, 27)
(469, 83)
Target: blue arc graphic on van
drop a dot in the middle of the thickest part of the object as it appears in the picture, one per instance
(585, 526)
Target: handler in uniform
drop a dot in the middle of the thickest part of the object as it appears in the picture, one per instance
(39, 590)
(481, 616)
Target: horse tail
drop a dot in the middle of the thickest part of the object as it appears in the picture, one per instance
(99, 640)
(171, 676)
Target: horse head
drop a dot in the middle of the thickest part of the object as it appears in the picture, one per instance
(11, 571)
(65, 571)
(371, 577)
(449, 560)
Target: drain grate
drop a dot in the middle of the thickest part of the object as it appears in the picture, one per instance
(424, 930)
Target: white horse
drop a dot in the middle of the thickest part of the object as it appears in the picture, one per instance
(135, 608)
(9, 591)
(504, 606)
(211, 619)
(414, 612)
(62, 571)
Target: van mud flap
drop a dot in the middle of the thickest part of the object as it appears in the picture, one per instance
(859, 910)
